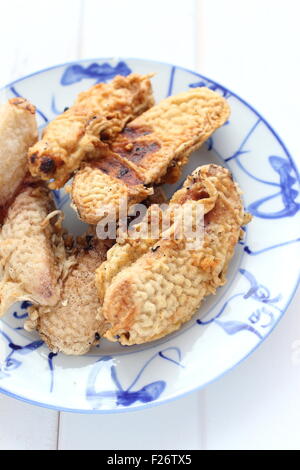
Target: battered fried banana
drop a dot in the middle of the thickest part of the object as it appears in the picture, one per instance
(97, 116)
(130, 248)
(31, 249)
(71, 326)
(102, 184)
(152, 294)
(18, 131)
(169, 132)
(153, 147)
(108, 190)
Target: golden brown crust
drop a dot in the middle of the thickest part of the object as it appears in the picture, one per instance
(155, 146)
(170, 131)
(155, 292)
(31, 250)
(71, 326)
(18, 131)
(97, 116)
(129, 249)
(93, 190)
(23, 104)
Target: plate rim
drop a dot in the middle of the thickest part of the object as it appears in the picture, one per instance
(283, 312)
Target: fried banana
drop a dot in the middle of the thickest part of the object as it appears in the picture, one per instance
(18, 132)
(96, 117)
(153, 148)
(102, 184)
(31, 249)
(71, 326)
(113, 189)
(147, 295)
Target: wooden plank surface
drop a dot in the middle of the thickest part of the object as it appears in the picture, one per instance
(26, 427)
(176, 425)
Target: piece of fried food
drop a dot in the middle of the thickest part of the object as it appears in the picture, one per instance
(169, 132)
(153, 147)
(31, 249)
(97, 116)
(71, 326)
(18, 131)
(151, 295)
(132, 247)
(100, 185)
(109, 180)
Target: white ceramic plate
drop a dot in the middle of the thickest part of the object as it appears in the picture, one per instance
(262, 279)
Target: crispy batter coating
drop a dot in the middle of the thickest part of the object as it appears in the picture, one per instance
(154, 147)
(170, 131)
(18, 131)
(150, 294)
(131, 247)
(31, 249)
(97, 116)
(71, 326)
(111, 193)
(98, 186)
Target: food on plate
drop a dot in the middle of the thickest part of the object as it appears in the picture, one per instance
(128, 249)
(96, 117)
(150, 150)
(18, 131)
(71, 326)
(121, 149)
(31, 249)
(150, 293)
(169, 132)
(102, 184)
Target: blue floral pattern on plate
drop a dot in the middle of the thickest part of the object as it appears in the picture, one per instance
(98, 72)
(113, 378)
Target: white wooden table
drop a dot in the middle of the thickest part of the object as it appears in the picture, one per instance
(251, 46)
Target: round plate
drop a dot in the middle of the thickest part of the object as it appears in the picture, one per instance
(262, 279)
